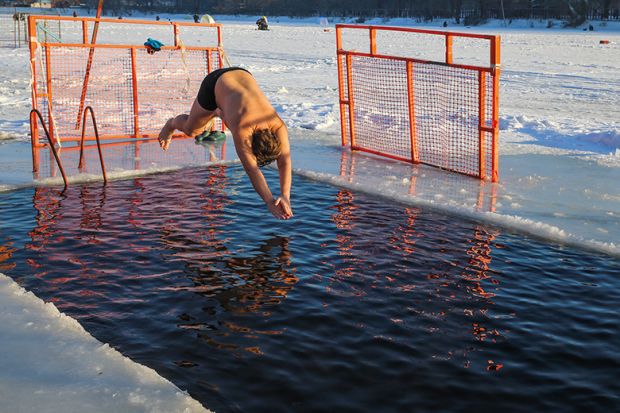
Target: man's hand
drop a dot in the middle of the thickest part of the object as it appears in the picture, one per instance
(280, 208)
(285, 205)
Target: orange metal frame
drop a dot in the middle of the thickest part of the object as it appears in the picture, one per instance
(34, 44)
(347, 99)
(35, 114)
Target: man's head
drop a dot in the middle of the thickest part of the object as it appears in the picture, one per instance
(265, 146)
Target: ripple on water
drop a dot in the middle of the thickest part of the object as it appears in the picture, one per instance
(356, 304)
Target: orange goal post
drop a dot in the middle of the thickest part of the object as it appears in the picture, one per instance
(421, 96)
(132, 92)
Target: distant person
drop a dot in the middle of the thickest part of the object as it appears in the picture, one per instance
(157, 18)
(196, 18)
(262, 23)
(591, 28)
(259, 135)
(74, 13)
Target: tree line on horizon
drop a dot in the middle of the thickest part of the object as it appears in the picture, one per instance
(469, 12)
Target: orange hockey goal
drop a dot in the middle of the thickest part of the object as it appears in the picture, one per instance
(131, 91)
(421, 96)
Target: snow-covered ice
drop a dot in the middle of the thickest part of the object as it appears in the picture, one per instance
(51, 364)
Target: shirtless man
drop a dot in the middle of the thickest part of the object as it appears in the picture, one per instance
(259, 134)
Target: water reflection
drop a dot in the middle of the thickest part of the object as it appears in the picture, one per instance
(387, 303)
(242, 286)
(6, 253)
(448, 269)
(436, 186)
(133, 155)
(350, 262)
(161, 228)
(177, 236)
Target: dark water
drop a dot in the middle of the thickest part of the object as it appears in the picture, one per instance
(355, 305)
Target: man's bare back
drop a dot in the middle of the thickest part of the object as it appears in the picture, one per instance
(233, 95)
(243, 106)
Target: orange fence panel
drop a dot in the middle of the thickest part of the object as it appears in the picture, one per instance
(439, 109)
(131, 92)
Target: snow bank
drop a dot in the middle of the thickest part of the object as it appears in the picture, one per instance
(51, 364)
(598, 141)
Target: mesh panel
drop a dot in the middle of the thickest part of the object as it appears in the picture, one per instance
(347, 129)
(344, 95)
(108, 90)
(488, 122)
(167, 83)
(446, 116)
(412, 85)
(42, 102)
(132, 93)
(381, 117)
(344, 92)
(446, 105)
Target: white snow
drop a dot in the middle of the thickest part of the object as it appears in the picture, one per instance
(51, 364)
(559, 138)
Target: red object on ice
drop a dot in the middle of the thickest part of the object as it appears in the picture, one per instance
(604, 42)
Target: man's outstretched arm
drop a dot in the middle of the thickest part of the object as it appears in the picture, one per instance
(258, 180)
(285, 170)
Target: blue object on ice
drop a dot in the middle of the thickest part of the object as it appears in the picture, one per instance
(153, 45)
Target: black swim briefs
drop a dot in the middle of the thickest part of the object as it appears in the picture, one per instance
(206, 94)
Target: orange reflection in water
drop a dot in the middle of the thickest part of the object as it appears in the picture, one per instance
(478, 277)
(185, 225)
(6, 252)
(479, 261)
(475, 284)
(350, 262)
(125, 154)
(423, 181)
(406, 236)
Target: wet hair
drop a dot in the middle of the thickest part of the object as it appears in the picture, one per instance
(265, 146)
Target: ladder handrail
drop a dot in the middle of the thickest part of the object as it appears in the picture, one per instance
(58, 162)
(55, 152)
(81, 163)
